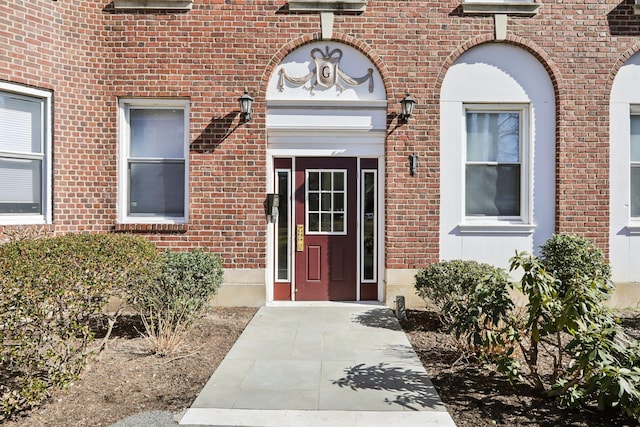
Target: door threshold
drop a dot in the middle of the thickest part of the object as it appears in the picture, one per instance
(323, 303)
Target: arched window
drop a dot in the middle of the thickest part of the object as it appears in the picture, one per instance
(497, 145)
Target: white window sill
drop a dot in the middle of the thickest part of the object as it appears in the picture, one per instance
(636, 8)
(153, 4)
(23, 220)
(496, 227)
(327, 5)
(633, 228)
(502, 8)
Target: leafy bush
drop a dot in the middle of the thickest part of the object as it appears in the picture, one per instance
(593, 360)
(170, 304)
(472, 298)
(440, 282)
(50, 289)
(569, 258)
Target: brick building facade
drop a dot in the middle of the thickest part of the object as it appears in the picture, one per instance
(526, 124)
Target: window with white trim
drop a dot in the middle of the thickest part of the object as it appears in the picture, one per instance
(634, 156)
(154, 147)
(495, 166)
(25, 155)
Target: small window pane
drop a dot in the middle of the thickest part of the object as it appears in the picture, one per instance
(338, 222)
(313, 181)
(493, 137)
(157, 133)
(326, 222)
(326, 201)
(493, 190)
(338, 181)
(338, 202)
(635, 138)
(314, 202)
(20, 124)
(156, 189)
(326, 181)
(20, 186)
(314, 222)
(635, 191)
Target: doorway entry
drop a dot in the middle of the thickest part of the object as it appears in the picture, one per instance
(325, 229)
(326, 121)
(326, 235)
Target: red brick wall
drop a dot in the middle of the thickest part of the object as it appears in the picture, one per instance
(90, 55)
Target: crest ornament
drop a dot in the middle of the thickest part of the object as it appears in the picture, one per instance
(326, 74)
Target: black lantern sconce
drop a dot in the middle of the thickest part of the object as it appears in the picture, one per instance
(413, 164)
(407, 103)
(246, 102)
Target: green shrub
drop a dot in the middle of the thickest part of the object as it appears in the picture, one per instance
(50, 288)
(473, 300)
(440, 282)
(183, 289)
(569, 258)
(594, 360)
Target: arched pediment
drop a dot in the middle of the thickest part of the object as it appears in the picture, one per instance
(326, 71)
(323, 88)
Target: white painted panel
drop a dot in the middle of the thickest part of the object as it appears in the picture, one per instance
(624, 245)
(496, 73)
(297, 118)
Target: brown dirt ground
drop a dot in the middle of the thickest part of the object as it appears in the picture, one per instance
(127, 379)
(476, 396)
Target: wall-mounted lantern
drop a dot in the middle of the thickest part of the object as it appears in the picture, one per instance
(245, 102)
(407, 103)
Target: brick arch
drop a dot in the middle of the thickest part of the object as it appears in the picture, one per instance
(543, 57)
(617, 66)
(346, 39)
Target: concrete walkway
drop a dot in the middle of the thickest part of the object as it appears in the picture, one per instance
(321, 364)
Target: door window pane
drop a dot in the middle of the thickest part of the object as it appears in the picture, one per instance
(326, 201)
(313, 181)
(369, 226)
(283, 236)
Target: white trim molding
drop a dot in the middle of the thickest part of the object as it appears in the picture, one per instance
(354, 6)
(512, 7)
(153, 4)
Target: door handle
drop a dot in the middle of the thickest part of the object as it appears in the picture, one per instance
(299, 237)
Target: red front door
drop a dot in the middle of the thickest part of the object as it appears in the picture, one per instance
(325, 229)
